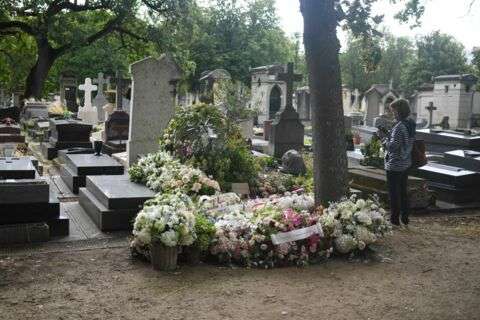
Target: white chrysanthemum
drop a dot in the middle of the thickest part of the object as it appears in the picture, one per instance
(345, 243)
(363, 217)
(364, 235)
(169, 238)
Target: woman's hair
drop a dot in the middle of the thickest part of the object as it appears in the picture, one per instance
(402, 106)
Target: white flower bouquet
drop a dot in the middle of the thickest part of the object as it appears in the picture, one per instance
(353, 224)
(168, 218)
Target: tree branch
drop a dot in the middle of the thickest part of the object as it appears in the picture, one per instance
(19, 25)
(109, 27)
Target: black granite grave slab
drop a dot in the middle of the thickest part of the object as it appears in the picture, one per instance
(443, 141)
(70, 130)
(62, 153)
(10, 129)
(106, 219)
(113, 201)
(59, 227)
(24, 233)
(118, 192)
(12, 213)
(17, 168)
(78, 166)
(12, 138)
(66, 134)
(449, 175)
(467, 159)
(452, 194)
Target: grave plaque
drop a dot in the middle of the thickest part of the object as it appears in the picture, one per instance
(16, 168)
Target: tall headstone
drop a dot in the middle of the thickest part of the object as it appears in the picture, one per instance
(68, 92)
(287, 129)
(152, 104)
(88, 113)
(100, 99)
(116, 126)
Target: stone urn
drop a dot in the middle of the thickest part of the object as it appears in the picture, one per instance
(163, 258)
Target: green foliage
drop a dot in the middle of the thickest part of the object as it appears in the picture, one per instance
(437, 54)
(392, 56)
(373, 153)
(476, 64)
(203, 137)
(227, 34)
(205, 231)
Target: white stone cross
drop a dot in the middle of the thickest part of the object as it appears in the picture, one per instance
(88, 88)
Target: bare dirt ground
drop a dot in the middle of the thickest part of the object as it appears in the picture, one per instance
(431, 271)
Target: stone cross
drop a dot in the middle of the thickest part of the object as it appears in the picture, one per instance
(289, 77)
(430, 109)
(100, 81)
(88, 88)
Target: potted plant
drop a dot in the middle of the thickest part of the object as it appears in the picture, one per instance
(165, 223)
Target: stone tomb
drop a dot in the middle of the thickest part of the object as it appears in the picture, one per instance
(17, 168)
(35, 109)
(451, 184)
(116, 132)
(11, 133)
(27, 200)
(65, 134)
(371, 180)
(447, 140)
(78, 166)
(10, 112)
(113, 201)
(466, 159)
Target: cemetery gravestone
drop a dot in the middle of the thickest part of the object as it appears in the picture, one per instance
(65, 134)
(37, 202)
(68, 92)
(88, 113)
(113, 201)
(78, 166)
(467, 159)
(287, 130)
(100, 99)
(152, 103)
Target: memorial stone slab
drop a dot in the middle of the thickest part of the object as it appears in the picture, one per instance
(17, 168)
(466, 159)
(153, 96)
(449, 175)
(78, 166)
(113, 201)
(445, 140)
(66, 134)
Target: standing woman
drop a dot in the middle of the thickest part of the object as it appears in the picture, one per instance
(398, 144)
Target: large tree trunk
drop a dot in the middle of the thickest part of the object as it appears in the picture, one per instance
(329, 145)
(39, 72)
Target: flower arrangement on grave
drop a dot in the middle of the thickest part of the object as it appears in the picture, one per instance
(373, 153)
(161, 172)
(354, 224)
(203, 137)
(168, 218)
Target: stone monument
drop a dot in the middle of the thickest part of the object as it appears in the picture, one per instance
(100, 99)
(287, 129)
(115, 136)
(152, 104)
(88, 113)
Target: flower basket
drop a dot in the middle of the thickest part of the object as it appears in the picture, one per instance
(163, 258)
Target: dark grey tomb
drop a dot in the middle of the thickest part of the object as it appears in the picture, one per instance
(66, 134)
(447, 140)
(113, 201)
(78, 166)
(467, 159)
(27, 200)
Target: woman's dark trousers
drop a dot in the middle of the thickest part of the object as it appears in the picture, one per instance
(397, 190)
